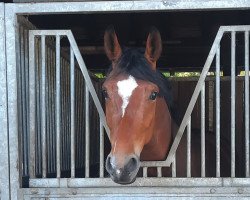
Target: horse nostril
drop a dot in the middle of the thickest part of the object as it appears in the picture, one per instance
(108, 164)
(132, 164)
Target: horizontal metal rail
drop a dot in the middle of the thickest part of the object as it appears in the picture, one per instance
(159, 182)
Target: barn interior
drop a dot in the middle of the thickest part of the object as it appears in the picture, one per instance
(187, 36)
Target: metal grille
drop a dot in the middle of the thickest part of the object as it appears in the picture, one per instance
(61, 118)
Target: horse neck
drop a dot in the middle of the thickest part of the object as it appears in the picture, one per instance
(159, 145)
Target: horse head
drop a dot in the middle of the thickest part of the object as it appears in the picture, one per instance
(136, 109)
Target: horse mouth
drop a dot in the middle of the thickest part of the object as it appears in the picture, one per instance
(126, 180)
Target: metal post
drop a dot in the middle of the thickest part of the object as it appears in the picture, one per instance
(58, 107)
(159, 173)
(247, 101)
(32, 106)
(43, 109)
(72, 109)
(217, 85)
(101, 150)
(145, 171)
(203, 144)
(189, 148)
(233, 104)
(4, 155)
(87, 134)
(174, 166)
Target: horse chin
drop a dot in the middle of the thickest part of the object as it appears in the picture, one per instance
(123, 181)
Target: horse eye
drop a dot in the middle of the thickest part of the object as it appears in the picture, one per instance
(153, 95)
(105, 94)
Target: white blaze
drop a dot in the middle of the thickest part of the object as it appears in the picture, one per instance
(125, 90)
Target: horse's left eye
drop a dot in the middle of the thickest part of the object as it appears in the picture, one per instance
(105, 94)
(153, 95)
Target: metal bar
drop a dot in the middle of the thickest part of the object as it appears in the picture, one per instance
(88, 81)
(217, 85)
(233, 104)
(173, 165)
(247, 101)
(58, 108)
(68, 117)
(72, 109)
(20, 93)
(4, 155)
(32, 106)
(62, 116)
(101, 150)
(49, 110)
(159, 173)
(181, 183)
(26, 138)
(43, 108)
(189, 148)
(190, 107)
(203, 143)
(87, 134)
(53, 111)
(125, 6)
(145, 171)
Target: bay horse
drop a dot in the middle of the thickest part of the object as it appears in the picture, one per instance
(139, 112)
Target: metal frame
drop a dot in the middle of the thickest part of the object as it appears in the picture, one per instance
(12, 10)
(137, 193)
(4, 156)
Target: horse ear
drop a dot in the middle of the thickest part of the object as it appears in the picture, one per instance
(153, 47)
(111, 44)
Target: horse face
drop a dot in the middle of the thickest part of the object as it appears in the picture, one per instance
(130, 113)
(130, 108)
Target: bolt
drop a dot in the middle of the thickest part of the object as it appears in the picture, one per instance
(240, 191)
(212, 191)
(165, 2)
(74, 192)
(34, 191)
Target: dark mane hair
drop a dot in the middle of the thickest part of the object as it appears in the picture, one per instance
(132, 62)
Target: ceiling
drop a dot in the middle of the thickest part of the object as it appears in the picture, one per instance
(187, 36)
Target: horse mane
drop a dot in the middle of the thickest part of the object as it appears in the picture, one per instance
(133, 62)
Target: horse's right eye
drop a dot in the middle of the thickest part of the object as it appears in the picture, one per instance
(105, 94)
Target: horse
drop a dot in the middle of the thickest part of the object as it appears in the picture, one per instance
(139, 113)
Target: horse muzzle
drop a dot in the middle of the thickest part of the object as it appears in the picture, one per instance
(124, 173)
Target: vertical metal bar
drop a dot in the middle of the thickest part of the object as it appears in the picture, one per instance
(68, 118)
(32, 105)
(233, 104)
(217, 85)
(53, 112)
(145, 171)
(72, 108)
(189, 148)
(21, 94)
(159, 173)
(87, 135)
(173, 165)
(26, 63)
(247, 101)
(58, 107)
(4, 155)
(63, 161)
(49, 120)
(38, 107)
(43, 109)
(203, 160)
(101, 150)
